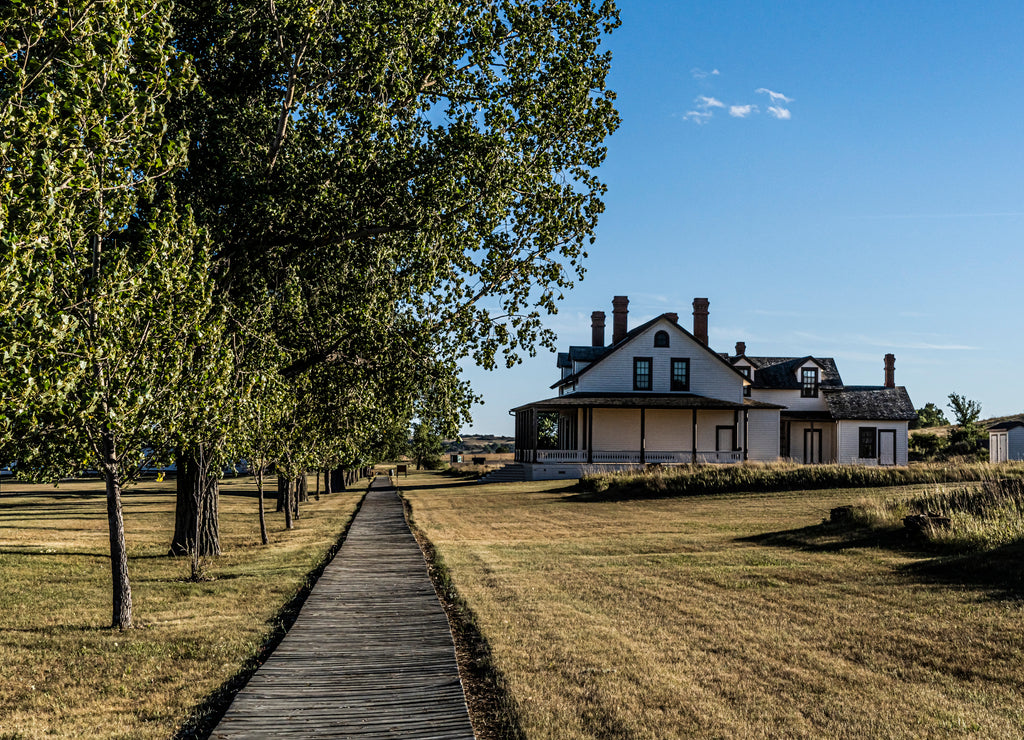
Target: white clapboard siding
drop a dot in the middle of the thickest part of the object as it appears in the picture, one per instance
(849, 441)
(709, 376)
(763, 435)
(790, 399)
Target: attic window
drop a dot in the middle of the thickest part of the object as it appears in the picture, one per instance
(661, 339)
(809, 382)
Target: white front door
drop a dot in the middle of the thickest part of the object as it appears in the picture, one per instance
(998, 448)
(725, 441)
(887, 447)
(812, 446)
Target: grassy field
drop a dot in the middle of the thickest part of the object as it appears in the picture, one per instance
(736, 615)
(63, 673)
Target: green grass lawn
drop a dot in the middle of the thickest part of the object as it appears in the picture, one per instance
(736, 615)
(64, 673)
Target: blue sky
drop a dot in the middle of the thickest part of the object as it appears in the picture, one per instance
(869, 200)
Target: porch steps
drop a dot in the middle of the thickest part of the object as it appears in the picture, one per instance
(512, 473)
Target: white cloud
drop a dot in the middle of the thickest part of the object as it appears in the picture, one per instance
(782, 114)
(742, 111)
(775, 97)
(704, 111)
(700, 74)
(705, 102)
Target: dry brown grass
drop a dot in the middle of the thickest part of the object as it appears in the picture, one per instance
(738, 615)
(63, 673)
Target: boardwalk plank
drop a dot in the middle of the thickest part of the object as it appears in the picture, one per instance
(370, 654)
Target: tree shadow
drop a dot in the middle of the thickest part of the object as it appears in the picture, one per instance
(996, 571)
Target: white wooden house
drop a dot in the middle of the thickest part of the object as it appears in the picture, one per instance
(659, 394)
(1006, 441)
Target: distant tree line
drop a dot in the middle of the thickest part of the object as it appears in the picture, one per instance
(272, 231)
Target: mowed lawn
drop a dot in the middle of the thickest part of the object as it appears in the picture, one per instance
(64, 673)
(724, 616)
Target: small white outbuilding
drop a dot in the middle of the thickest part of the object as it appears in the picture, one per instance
(1006, 441)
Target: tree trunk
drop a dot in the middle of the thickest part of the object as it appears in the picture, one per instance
(287, 485)
(263, 512)
(327, 482)
(302, 488)
(196, 521)
(122, 611)
(317, 494)
(282, 492)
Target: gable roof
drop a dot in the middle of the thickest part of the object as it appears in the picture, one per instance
(630, 335)
(779, 373)
(870, 402)
(1006, 425)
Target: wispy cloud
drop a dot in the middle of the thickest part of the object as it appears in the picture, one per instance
(699, 74)
(775, 96)
(705, 105)
(704, 110)
(777, 109)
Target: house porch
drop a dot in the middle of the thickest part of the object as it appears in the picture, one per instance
(627, 430)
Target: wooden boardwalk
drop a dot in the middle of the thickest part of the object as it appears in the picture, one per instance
(370, 654)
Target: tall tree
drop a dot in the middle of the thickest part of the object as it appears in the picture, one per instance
(409, 181)
(968, 438)
(102, 288)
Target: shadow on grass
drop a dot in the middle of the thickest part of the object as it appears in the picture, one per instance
(997, 571)
(204, 718)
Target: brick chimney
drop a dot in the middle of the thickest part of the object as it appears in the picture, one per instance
(890, 370)
(741, 348)
(597, 329)
(700, 319)
(620, 314)
(673, 317)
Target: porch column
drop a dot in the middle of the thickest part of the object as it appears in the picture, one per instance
(534, 419)
(643, 436)
(693, 434)
(746, 435)
(590, 435)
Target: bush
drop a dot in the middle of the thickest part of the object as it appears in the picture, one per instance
(981, 518)
(702, 479)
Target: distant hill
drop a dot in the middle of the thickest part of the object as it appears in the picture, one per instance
(479, 443)
(984, 423)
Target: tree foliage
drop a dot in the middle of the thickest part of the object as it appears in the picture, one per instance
(968, 438)
(929, 415)
(276, 229)
(425, 446)
(103, 291)
(965, 411)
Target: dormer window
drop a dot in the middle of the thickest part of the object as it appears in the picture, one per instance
(661, 339)
(745, 372)
(809, 382)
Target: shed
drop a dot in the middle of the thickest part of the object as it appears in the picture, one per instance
(1006, 441)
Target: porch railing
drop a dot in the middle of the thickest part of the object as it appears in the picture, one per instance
(632, 456)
